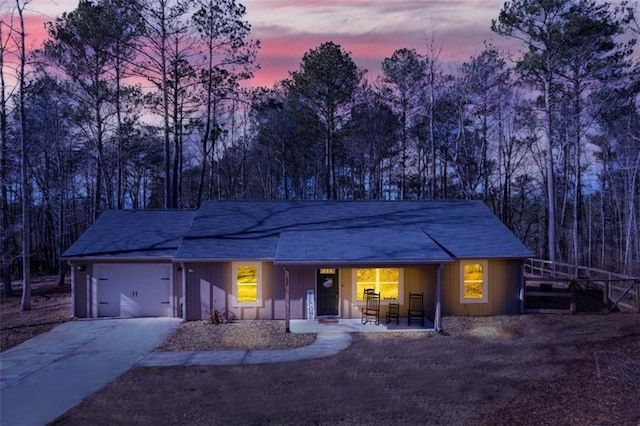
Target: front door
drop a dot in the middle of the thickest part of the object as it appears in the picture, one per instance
(328, 287)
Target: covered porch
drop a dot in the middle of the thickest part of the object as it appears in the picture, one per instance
(332, 297)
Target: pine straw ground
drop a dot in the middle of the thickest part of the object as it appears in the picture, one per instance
(517, 370)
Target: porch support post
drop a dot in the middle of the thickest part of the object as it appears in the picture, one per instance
(287, 301)
(183, 297)
(437, 322)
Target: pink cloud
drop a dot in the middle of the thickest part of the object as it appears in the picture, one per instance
(370, 29)
(278, 56)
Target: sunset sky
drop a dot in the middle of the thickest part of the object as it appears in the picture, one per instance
(370, 29)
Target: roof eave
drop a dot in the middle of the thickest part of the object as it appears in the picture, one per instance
(112, 258)
(513, 257)
(215, 259)
(362, 262)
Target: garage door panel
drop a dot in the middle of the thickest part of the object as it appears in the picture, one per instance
(133, 290)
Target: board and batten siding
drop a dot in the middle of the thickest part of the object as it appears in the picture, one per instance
(176, 294)
(82, 290)
(504, 280)
(300, 280)
(205, 289)
(209, 286)
(416, 280)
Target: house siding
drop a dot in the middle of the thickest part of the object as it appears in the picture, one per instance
(503, 290)
(204, 289)
(176, 293)
(210, 284)
(416, 280)
(81, 291)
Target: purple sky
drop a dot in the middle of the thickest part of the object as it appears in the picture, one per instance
(370, 29)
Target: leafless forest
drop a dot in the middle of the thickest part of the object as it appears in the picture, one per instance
(144, 104)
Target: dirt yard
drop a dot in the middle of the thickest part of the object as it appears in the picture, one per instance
(524, 370)
(50, 306)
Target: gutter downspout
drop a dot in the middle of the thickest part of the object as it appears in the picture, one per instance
(522, 284)
(183, 304)
(73, 288)
(437, 322)
(287, 301)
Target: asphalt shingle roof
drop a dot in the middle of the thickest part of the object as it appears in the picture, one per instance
(348, 231)
(133, 234)
(298, 232)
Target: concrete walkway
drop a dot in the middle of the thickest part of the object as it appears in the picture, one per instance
(332, 337)
(326, 344)
(45, 376)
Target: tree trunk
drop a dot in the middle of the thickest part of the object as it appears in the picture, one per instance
(165, 109)
(97, 202)
(120, 152)
(577, 187)
(5, 270)
(432, 137)
(24, 169)
(551, 201)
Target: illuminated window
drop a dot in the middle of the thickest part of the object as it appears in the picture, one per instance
(247, 280)
(386, 281)
(473, 281)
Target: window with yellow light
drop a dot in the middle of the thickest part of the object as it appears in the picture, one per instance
(386, 281)
(473, 281)
(247, 282)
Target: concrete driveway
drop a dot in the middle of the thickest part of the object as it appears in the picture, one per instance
(47, 375)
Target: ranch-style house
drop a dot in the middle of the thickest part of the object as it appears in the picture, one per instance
(304, 259)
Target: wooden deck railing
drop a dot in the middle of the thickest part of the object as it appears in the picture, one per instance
(618, 290)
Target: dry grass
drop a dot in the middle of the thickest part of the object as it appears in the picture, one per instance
(531, 370)
(50, 306)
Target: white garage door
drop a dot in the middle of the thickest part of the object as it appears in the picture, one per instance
(133, 290)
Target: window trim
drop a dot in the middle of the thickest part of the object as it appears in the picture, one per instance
(234, 283)
(384, 302)
(485, 281)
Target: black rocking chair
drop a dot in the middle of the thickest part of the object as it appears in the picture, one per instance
(393, 313)
(371, 311)
(416, 308)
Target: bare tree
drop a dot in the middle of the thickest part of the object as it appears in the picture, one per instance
(24, 169)
(433, 55)
(537, 24)
(164, 27)
(228, 58)
(6, 28)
